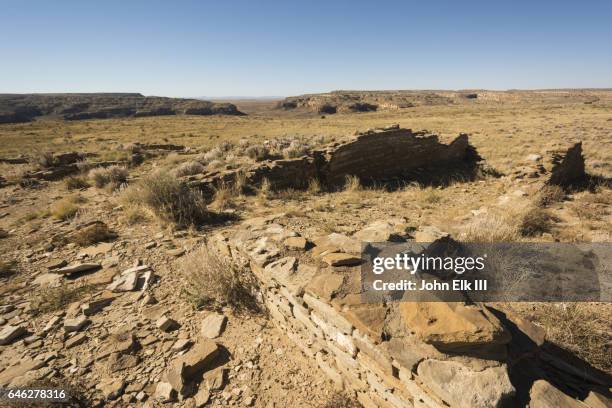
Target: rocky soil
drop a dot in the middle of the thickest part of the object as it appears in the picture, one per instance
(110, 321)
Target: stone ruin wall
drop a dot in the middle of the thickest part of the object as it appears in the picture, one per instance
(398, 355)
(390, 154)
(381, 155)
(345, 336)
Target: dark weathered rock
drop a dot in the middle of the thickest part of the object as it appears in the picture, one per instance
(568, 169)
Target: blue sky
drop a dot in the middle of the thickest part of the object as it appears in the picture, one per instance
(259, 48)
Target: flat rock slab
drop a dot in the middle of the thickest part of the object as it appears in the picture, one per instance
(213, 325)
(463, 388)
(76, 324)
(56, 264)
(75, 340)
(544, 395)
(166, 324)
(296, 243)
(11, 333)
(95, 306)
(22, 368)
(341, 259)
(75, 268)
(176, 252)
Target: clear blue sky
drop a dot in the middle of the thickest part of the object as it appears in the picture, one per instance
(258, 48)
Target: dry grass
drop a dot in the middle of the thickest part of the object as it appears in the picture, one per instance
(314, 187)
(213, 280)
(257, 152)
(45, 159)
(264, 192)
(490, 228)
(54, 299)
(113, 176)
(352, 184)
(582, 328)
(76, 183)
(427, 195)
(224, 197)
(170, 200)
(189, 168)
(549, 195)
(66, 208)
(92, 234)
(136, 214)
(535, 221)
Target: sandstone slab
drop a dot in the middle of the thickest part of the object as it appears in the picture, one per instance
(544, 395)
(76, 268)
(11, 333)
(213, 325)
(463, 388)
(453, 325)
(341, 259)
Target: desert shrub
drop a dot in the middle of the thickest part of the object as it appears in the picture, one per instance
(257, 152)
(535, 221)
(54, 299)
(549, 195)
(296, 149)
(173, 158)
(490, 228)
(428, 195)
(135, 214)
(189, 168)
(211, 279)
(168, 198)
(7, 268)
(215, 164)
(92, 234)
(223, 197)
(352, 184)
(225, 146)
(314, 186)
(213, 154)
(66, 208)
(76, 183)
(265, 190)
(112, 175)
(45, 159)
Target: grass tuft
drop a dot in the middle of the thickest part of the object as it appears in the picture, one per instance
(76, 183)
(536, 221)
(112, 175)
(169, 199)
(213, 280)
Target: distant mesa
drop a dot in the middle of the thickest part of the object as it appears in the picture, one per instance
(367, 101)
(19, 108)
